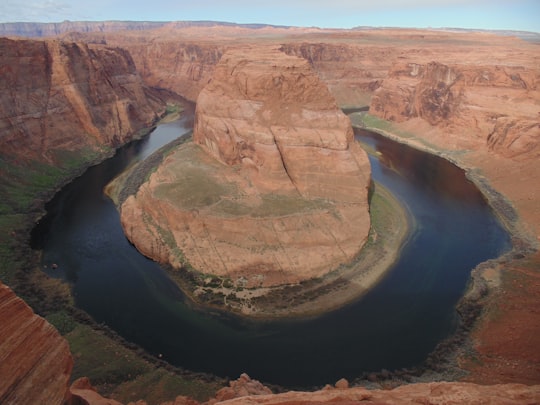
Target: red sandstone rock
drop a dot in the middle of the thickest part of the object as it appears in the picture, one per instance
(473, 105)
(242, 387)
(286, 186)
(60, 96)
(270, 113)
(35, 362)
(83, 393)
(422, 393)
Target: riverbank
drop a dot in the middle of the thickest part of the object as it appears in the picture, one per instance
(502, 292)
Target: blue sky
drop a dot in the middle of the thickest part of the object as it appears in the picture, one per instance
(484, 14)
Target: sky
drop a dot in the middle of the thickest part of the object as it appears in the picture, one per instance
(479, 14)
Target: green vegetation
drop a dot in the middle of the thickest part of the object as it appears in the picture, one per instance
(172, 112)
(368, 121)
(127, 374)
(272, 205)
(102, 359)
(193, 188)
(62, 321)
(160, 385)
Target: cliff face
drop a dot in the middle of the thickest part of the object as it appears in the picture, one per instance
(494, 106)
(273, 115)
(182, 67)
(276, 193)
(352, 73)
(35, 364)
(66, 96)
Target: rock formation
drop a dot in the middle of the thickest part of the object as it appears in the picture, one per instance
(422, 393)
(183, 67)
(59, 96)
(273, 191)
(270, 113)
(474, 105)
(351, 72)
(35, 362)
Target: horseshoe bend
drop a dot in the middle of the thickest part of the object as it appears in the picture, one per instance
(277, 175)
(272, 191)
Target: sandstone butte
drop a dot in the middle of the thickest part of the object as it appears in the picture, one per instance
(273, 189)
(456, 90)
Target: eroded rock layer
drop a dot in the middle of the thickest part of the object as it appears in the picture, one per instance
(473, 105)
(272, 191)
(35, 362)
(64, 96)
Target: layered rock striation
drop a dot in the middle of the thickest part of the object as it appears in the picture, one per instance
(63, 96)
(472, 105)
(273, 116)
(35, 361)
(272, 191)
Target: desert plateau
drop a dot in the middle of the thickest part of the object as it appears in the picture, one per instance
(269, 210)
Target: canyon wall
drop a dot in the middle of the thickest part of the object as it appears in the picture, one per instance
(59, 96)
(472, 105)
(183, 67)
(183, 59)
(35, 362)
(352, 72)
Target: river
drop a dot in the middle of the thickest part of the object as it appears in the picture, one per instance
(396, 325)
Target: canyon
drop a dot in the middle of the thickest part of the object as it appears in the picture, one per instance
(471, 97)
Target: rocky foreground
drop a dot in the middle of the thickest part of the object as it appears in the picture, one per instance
(272, 191)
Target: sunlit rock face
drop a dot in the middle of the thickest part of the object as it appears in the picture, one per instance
(36, 363)
(64, 96)
(279, 189)
(270, 113)
(474, 105)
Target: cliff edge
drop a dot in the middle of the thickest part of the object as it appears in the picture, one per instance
(59, 97)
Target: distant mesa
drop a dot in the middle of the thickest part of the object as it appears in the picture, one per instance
(272, 191)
